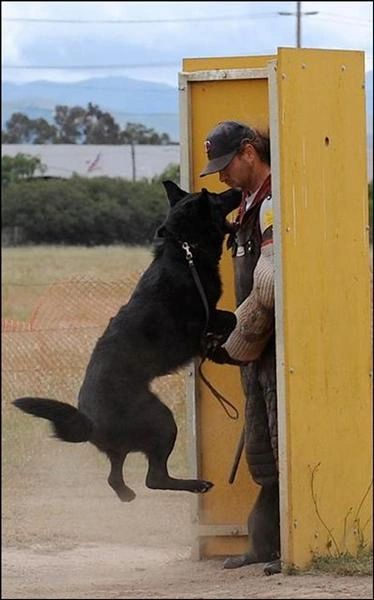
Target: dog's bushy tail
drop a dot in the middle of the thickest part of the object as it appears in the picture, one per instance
(69, 424)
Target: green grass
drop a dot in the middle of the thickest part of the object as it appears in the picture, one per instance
(28, 270)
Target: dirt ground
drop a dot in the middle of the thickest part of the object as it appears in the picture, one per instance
(66, 535)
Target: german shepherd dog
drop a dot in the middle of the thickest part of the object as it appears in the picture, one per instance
(160, 329)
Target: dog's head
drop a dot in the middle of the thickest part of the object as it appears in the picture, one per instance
(199, 218)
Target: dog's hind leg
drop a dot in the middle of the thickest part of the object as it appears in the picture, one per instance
(160, 443)
(115, 478)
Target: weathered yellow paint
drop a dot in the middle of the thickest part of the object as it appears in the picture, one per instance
(326, 302)
(323, 304)
(211, 102)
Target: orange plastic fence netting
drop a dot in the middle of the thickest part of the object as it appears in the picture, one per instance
(47, 355)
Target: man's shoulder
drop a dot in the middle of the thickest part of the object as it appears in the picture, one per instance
(266, 213)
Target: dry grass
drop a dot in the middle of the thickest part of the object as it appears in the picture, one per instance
(28, 270)
(345, 564)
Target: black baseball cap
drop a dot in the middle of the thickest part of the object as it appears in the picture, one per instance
(223, 142)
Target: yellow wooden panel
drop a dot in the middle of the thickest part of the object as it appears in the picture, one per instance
(226, 62)
(326, 300)
(223, 545)
(211, 102)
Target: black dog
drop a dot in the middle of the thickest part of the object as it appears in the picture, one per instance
(159, 330)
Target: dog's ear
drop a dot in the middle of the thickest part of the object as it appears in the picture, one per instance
(160, 232)
(204, 196)
(204, 202)
(230, 199)
(174, 193)
(159, 238)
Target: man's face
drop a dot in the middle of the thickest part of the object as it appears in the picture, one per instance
(238, 173)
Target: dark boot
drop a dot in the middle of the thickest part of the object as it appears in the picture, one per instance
(234, 562)
(263, 533)
(273, 567)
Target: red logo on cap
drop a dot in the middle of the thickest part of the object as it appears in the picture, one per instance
(207, 146)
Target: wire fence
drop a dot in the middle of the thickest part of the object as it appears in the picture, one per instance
(48, 354)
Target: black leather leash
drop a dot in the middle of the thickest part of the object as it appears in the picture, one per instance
(195, 275)
(221, 399)
(226, 404)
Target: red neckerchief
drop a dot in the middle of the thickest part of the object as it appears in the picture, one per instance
(264, 191)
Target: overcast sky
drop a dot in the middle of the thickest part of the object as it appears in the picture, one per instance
(170, 31)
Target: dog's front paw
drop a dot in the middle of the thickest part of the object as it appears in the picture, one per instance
(211, 341)
(221, 326)
(221, 357)
(230, 324)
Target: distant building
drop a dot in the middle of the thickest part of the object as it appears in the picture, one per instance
(63, 160)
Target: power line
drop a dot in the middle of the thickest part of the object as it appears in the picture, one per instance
(85, 67)
(122, 90)
(140, 21)
(298, 15)
(104, 67)
(352, 19)
(342, 21)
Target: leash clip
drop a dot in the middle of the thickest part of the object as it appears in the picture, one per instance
(186, 248)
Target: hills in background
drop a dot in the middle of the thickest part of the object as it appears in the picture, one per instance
(152, 104)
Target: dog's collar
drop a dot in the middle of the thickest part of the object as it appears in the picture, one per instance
(162, 235)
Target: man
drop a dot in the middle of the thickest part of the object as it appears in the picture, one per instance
(241, 156)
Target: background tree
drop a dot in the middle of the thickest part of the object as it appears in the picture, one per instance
(17, 129)
(19, 167)
(135, 133)
(172, 172)
(84, 211)
(100, 127)
(22, 130)
(43, 132)
(70, 124)
(78, 125)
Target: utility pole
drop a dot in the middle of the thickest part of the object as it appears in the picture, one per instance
(298, 24)
(298, 15)
(133, 162)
